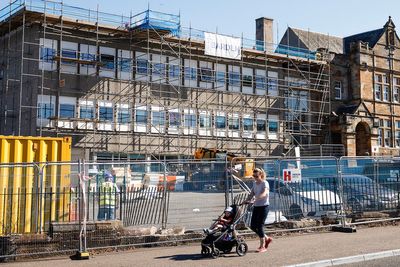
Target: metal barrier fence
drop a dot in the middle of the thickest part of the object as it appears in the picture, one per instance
(169, 194)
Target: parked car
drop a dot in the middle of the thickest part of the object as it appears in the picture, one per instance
(385, 172)
(361, 193)
(300, 199)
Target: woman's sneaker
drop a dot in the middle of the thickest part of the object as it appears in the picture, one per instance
(261, 250)
(268, 240)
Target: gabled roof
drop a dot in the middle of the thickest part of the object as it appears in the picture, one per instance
(371, 37)
(313, 40)
(347, 109)
(353, 109)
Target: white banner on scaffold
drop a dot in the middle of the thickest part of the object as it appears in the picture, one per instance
(222, 46)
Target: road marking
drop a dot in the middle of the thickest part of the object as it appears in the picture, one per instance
(351, 259)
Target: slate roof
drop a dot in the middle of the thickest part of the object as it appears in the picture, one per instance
(313, 40)
(371, 37)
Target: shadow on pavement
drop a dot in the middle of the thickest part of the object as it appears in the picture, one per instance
(194, 257)
(184, 257)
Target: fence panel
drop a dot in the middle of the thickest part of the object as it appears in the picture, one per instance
(35, 200)
(370, 184)
(199, 194)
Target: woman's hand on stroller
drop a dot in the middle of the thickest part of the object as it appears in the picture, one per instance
(247, 202)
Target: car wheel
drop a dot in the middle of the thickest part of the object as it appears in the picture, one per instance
(295, 212)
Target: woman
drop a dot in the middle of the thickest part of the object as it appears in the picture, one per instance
(260, 196)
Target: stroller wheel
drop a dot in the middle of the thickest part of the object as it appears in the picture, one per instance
(215, 253)
(205, 251)
(241, 249)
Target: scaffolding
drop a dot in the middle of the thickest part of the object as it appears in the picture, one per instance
(147, 88)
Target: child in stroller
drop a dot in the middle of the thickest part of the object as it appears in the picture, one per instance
(222, 237)
(222, 223)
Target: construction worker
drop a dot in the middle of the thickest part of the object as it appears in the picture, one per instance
(107, 198)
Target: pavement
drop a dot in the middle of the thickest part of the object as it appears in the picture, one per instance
(294, 249)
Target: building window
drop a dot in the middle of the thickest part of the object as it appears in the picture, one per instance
(204, 121)
(47, 54)
(174, 71)
(86, 112)
(174, 119)
(247, 124)
(159, 69)
(397, 134)
(220, 122)
(272, 126)
(260, 82)
(69, 54)
(386, 127)
(45, 110)
(378, 91)
(106, 114)
(233, 123)
(190, 120)
(338, 90)
(379, 82)
(190, 74)
(125, 64)
(272, 86)
(87, 57)
(142, 66)
(67, 111)
(380, 134)
(221, 77)
(124, 116)
(386, 93)
(396, 89)
(234, 78)
(206, 75)
(248, 80)
(261, 125)
(107, 62)
(158, 118)
(141, 116)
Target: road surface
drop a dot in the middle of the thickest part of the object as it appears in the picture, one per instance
(285, 250)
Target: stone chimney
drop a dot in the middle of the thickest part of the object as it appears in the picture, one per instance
(264, 33)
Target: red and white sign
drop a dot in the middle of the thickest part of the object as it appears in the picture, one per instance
(291, 175)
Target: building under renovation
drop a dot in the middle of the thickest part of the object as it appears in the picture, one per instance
(144, 86)
(365, 87)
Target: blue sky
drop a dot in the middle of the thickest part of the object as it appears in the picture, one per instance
(234, 17)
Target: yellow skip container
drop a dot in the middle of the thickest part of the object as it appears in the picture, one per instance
(26, 183)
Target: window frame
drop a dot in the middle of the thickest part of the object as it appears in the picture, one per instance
(191, 122)
(338, 89)
(87, 107)
(106, 111)
(218, 123)
(141, 119)
(123, 115)
(72, 111)
(48, 107)
(107, 62)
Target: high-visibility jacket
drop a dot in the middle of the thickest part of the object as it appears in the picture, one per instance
(107, 194)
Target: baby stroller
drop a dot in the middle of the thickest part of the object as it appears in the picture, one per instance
(225, 240)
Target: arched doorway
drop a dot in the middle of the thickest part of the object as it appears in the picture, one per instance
(363, 139)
